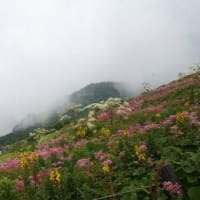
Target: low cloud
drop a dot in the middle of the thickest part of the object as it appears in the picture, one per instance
(49, 48)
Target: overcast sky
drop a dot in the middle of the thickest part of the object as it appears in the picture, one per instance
(49, 48)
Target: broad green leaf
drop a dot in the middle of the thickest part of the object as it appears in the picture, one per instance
(194, 193)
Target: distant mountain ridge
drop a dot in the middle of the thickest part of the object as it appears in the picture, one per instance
(96, 92)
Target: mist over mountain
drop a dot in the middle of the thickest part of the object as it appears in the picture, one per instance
(89, 94)
(53, 47)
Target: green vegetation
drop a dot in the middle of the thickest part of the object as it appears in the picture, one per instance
(117, 148)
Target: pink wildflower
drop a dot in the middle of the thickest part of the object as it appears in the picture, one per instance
(104, 116)
(172, 188)
(143, 146)
(107, 162)
(83, 163)
(80, 143)
(9, 164)
(100, 155)
(193, 118)
(46, 153)
(42, 175)
(19, 185)
(176, 131)
(112, 144)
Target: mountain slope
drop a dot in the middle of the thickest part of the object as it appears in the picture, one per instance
(124, 149)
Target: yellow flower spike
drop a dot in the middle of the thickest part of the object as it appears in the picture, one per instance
(125, 132)
(25, 162)
(81, 132)
(181, 117)
(140, 153)
(105, 132)
(106, 168)
(55, 176)
(33, 157)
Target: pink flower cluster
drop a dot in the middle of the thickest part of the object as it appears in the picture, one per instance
(143, 146)
(9, 164)
(57, 164)
(112, 144)
(169, 120)
(46, 153)
(137, 128)
(166, 89)
(144, 128)
(40, 177)
(19, 185)
(58, 141)
(107, 162)
(80, 143)
(52, 143)
(155, 109)
(150, 125)
(136, 103)
(193, 118)
(176, 131)
(172, 188)
(104, 116)
(120, 133)
(100, 155)
(83, 163)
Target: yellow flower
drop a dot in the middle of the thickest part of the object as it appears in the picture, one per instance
(81, 132)
(105, 132)
(55, 176)
(106, 168)
(125, 132)
(158, 115)
(181, 117)
(187, 104)
(25, 160)
(33, 157)
(140, 153)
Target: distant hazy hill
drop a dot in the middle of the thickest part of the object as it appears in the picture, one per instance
(100, 91)
(90, 94)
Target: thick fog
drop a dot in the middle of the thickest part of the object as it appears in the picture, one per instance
(49, 48)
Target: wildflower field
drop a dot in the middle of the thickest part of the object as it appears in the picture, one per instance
(118, 150)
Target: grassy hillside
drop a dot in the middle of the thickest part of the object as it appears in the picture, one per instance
(147, 147)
